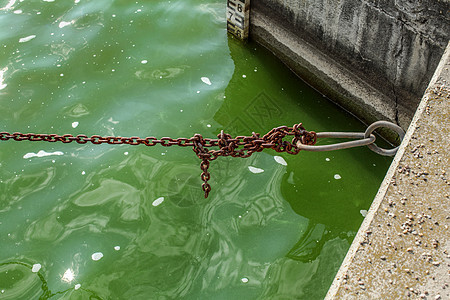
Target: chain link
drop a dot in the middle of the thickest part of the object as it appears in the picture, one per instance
(240, 146)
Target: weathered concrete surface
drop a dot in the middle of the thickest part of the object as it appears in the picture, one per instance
(402, 248)
(322, 71)
(374, 57)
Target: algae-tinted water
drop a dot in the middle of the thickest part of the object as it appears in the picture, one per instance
(130, 222)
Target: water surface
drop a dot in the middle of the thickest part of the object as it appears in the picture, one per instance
(128, 222)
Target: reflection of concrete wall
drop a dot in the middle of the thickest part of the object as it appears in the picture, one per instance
(373, 57)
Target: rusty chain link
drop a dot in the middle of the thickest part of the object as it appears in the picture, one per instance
(240, 146)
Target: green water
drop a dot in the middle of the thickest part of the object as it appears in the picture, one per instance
(130, 222)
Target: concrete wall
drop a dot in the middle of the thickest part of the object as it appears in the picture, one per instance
(375, 58)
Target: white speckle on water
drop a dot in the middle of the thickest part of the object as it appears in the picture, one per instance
(280, 160)
(290, 179)
(62, 74)
(64, 24)
(208, 125)
(112, 121)
(244, 76)
(75, 124)
(144, 61)
(125, 153)
(97, 256)
(42, 153)
(158, 201)
(48, 0)
(117, 248)
(8, 6)
(206, 80)
(18, 12)
(36, 268)
(244, 280)
(2, 78)
(77, 286)
(113, 16)
(198, 92)
(374, 165)
(337, 176)
(3, 291)
(181, 110)
(83, 173)
(27, 38)
(255, 170)
(363, 212)
(327, 159)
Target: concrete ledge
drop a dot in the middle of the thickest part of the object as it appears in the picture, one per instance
(402, 248)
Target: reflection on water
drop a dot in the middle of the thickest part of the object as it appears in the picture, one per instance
(310, 245)
(2, 78)
(100, 222)
(20, 281)
(32, 285)
(68, 276)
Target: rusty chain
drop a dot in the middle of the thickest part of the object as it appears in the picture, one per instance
(240, 146)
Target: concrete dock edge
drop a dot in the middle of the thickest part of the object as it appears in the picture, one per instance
(402, 247)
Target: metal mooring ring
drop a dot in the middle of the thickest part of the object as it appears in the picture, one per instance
(378, 124)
